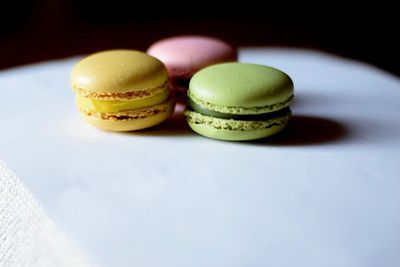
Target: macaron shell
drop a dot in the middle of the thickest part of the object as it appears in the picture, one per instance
(131, 124)
(235, 130)
(253, 87)
(118, 71)
(232, 135)
(185, 55)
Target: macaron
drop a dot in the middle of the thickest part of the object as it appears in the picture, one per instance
(185, 55)
(239, 101)
(122, 90)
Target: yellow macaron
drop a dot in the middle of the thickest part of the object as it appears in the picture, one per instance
(122, 90)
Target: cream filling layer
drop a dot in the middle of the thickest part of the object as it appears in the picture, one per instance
(133, 114)
(108, 106)
(242, 110)
(143, 93)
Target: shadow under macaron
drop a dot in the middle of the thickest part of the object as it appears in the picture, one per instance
(306, 130)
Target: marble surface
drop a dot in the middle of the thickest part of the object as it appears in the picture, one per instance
(326, 192)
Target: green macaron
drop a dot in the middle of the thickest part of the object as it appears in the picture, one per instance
(239, 101)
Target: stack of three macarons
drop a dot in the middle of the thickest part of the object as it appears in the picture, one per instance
(125, 90)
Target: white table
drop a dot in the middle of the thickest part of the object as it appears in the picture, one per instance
(325, 193)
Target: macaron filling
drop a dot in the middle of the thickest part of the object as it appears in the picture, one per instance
(245, 117)
(132, 114)
(96, 105)
(123, 96)
(242, 110)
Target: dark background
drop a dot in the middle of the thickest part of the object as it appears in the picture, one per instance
(32, 31)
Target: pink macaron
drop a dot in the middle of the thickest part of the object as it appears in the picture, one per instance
(185, 55)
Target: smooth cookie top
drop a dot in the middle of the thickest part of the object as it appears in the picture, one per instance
(241, 88)
(184, 55)
(118, 71)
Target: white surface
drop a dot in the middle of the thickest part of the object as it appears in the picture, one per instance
(28, 237)
(168, 197)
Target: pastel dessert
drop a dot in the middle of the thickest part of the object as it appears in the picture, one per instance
(122, 90)
(239, 101)
(185, 55)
